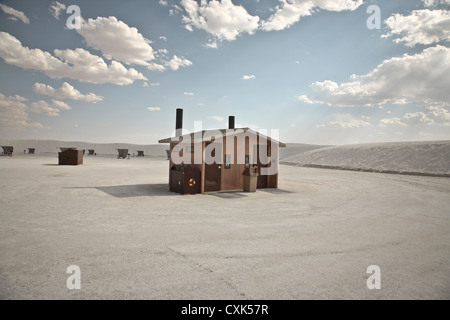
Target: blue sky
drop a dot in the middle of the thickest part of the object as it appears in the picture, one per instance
(310, 68)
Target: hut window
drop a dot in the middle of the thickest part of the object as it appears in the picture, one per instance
(227, 161)
(247, 161)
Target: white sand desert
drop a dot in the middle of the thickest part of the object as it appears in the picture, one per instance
(313, 238)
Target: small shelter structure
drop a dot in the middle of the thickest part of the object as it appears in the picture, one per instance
(7, 150)
(221, 157)
(70, 157)
(123, 153)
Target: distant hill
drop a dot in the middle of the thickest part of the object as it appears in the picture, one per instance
(52, 146)
(297, 148)
(425, 157)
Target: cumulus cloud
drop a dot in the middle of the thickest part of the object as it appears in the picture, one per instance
(14, 14)
(434, 115)
(116, 40)
(56, 8)
(289, 12)
(432, 3)
(65, 92)
(163, 3)
(420, 78)
(222, 19)
(211, 45)
(345, 121)
(420, 27)
(52, 109)
(248, 77)
(188, 93)
(176, 62)
(153, 66)
(153, 108)
(14, 114)
(75, 64)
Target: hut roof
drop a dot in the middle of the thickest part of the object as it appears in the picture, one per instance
(206, 135)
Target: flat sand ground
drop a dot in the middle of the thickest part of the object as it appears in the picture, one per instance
(312, 239)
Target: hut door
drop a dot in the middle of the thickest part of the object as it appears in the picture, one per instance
(262, 180)
(212, 176)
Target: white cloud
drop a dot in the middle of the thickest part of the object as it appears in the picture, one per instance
(211, 45)
(176, 9)
(248, 77)
(153, 66)
(188, 93)
(163, 3)
(345, 122)
(420, 27)
(222, 19)
(14, 14)
(65, 92)
(61, 105)
(440, 114)
(154, 84)
(163, 52)
(14, 114)
(75, 64)
(435, 115)
(218, 118)
(175, 63)
(153, 108)
(419, 78)
(116, 40)
(289, 12)
(432, 3)
(56, 8)
(53, 109)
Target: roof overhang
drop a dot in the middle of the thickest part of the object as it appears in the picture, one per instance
(207, 136)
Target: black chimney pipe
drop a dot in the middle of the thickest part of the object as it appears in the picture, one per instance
(179, 122)
(231, 122)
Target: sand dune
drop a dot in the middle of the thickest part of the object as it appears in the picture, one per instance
(296, 148)
(428, 157)
(52, 146)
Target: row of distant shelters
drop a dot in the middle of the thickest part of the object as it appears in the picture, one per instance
(8, 150)
(73, 156)
(122, 153)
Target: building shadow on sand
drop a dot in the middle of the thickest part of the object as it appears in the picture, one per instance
(137, 190)
(134, 190)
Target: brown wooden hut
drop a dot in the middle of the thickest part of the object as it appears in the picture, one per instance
(246, 149)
